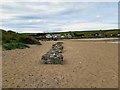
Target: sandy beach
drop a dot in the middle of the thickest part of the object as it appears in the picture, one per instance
(86, 65)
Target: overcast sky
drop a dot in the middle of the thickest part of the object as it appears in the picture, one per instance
(58, 16)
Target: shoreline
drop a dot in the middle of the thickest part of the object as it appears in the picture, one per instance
(108, 40)
(98, 39)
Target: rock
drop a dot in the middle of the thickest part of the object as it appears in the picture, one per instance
(54, 55)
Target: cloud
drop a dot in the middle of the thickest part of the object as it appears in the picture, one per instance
(57, 1)
(90, 26)
(58, 16)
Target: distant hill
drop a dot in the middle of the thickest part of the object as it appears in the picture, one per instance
(112, 31)
(77, 34)
(9, 37)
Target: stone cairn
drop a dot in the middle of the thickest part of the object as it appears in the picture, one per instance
(54, 55)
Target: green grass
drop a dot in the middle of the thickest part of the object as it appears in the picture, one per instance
(10, 46)
(106, 32)
(12, 40)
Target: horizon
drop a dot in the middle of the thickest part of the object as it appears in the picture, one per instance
(40, 17)
(63, 31)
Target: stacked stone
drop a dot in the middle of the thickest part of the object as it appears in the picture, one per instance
(54, 55)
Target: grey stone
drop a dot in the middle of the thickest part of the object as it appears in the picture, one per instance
(54, 55)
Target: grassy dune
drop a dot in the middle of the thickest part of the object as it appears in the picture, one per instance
(13, 40)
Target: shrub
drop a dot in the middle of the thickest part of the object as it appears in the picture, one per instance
(9, 46)
(12, 40)
(29, 40)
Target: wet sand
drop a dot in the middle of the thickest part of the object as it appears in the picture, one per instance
(86, 65)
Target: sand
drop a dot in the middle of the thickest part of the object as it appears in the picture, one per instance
(0, 67)
(86, 65)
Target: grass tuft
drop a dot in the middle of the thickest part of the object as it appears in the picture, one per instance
(10, 46)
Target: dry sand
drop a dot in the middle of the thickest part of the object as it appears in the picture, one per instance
(86, 65)
(0, 67)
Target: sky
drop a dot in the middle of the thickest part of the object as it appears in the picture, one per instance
(38, 17)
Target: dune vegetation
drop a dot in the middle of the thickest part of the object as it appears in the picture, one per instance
(12, 40)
